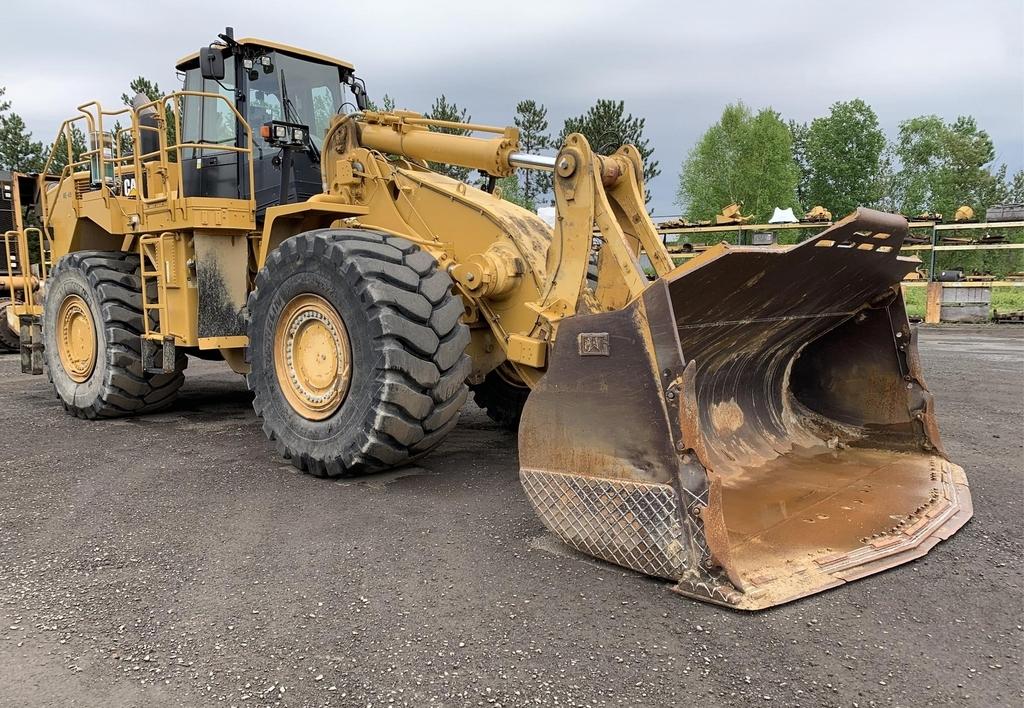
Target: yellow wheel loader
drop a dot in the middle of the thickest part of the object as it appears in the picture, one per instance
(753, 425)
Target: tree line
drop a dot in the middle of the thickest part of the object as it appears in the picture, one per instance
(19, 152)
(840, 160)
(606, 125)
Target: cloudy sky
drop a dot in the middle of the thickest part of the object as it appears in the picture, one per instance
(674, 63)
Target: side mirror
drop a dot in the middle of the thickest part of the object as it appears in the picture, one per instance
(359, 92)
(211, 63)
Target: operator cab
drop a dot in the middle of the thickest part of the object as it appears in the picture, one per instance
(288, 96)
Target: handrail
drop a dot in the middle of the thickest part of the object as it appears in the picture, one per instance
(10, 274)
(160, 107)
(45, 247)
(95, 123)
(95, 158)
(67, 129)
(68, 169)
(25, 277)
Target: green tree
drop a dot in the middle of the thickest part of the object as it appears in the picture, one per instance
(798, 134)
(151, 90)
(607, 127)
(59, 150)
(744, 157)
(18, 151)
(944, 165)
(532, 121)
(140, 84)
(1015, 191)
(443, 110)
(844, 157)
(889, 190)
(323, 114)
(511, 190)
(386, 105)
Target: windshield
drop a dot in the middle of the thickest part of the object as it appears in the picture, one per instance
(296, 91)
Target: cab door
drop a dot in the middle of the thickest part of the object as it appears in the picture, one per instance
(209, 171)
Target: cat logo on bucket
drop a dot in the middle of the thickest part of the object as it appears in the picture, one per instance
(594, 344)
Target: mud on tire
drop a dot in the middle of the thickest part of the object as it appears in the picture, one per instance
(109, 282)
(407, 347)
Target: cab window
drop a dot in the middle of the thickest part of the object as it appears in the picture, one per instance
(209, 120)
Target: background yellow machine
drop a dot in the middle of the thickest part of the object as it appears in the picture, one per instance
(752, 425)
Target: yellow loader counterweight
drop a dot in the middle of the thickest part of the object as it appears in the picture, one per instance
(753, 425)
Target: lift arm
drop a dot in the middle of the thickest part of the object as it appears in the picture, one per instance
(599, 201)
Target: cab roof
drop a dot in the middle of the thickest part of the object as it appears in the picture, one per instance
(188, 60)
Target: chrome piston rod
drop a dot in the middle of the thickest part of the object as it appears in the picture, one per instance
(526, 161)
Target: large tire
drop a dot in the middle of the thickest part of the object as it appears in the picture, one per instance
(406, 344)
(110, 285)
(10, 341)
(502, 395)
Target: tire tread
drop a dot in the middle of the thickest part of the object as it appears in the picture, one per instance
(419, 339)
(127, 389)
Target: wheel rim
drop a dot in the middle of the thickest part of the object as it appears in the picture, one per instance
(312, 357)
(76, 338)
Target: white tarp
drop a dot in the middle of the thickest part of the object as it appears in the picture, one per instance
(548, 214)
(783, 216)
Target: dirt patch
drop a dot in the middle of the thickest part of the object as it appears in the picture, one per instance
(178, 561)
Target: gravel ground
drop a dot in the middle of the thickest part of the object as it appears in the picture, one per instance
(173, 560)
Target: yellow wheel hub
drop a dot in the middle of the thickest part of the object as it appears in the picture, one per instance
(76, 338)
(312, 357)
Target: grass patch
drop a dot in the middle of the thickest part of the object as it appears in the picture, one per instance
(915, 299)
(1007, 299)
(1003, 300)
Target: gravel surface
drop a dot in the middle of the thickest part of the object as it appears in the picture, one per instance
(173, 560)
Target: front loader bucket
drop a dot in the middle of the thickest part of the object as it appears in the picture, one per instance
(754, 427)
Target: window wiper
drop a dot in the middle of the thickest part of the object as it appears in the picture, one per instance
(292, 115)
